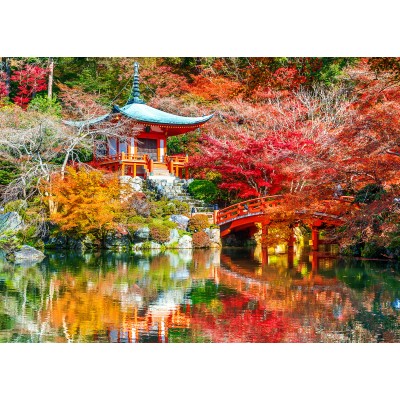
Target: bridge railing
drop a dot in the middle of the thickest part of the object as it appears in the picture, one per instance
(249, 207)
(262, 205)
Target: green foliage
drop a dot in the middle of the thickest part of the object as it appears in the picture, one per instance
(6, 322)
(44, 105)
(372, 249)
(180, 144)
(29, 236)
(19, 206)
(198, 222)
(203, 190)
(369, 193)
(159, 233)
(201, 240)
(8, 172)
(9, 242)
(165, 208)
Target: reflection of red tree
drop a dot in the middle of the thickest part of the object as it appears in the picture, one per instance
(238, 322)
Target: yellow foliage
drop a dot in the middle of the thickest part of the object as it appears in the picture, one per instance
(85, 202)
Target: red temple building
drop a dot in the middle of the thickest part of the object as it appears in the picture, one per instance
(143, 151)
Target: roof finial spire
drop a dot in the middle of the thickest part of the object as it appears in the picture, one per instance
(134, 98)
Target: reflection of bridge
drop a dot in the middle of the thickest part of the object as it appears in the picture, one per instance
(264, 210)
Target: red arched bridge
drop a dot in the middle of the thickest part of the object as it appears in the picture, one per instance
(243, 216)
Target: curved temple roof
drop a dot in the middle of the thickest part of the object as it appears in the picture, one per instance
(138, 111)
(80, 124)
(147, 114)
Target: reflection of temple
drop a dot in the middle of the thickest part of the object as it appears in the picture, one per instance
(130, 304)
(234, 297)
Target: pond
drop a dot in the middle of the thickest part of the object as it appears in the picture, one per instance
(232, 295)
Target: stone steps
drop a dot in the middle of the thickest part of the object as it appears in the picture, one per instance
(176, 189)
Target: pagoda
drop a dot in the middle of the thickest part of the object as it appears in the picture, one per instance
(143, 151)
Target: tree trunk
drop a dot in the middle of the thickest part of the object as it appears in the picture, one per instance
(50, 82)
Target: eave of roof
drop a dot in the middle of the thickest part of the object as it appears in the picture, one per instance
(80, 124)
(146, 114)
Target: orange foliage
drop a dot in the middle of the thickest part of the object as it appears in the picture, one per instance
(214, 87)
(87, 202)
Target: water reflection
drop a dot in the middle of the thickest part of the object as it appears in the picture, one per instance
(239, 295)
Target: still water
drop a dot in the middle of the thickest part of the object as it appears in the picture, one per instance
(233, 295)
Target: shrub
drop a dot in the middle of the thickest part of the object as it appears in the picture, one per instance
(159, 233)
(369, 193)
(165, 208)
(372, 249)
(203, 190)
(181, 207)
(18, 206)
(197, 223)
(201, 240)
(45, 105)
(139, 203)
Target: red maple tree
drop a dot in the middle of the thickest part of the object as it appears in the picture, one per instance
(31, 80)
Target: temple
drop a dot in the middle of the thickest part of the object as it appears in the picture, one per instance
(142, 151)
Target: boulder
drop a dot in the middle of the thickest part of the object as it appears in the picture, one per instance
(59, 242)
(135, 183)
(114, 239)
(215, 237)
(181, 220)
(142, 234)
(173, 237)
(185, 242)
(28, 253)
(10, 221)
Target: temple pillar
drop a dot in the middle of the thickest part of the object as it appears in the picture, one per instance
(314, 262)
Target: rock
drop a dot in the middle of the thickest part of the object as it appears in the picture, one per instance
(185, 242)
(181, 220)
(173, 237)
(114, 239)
(10, 221)
(215, 237)
(59, 242)
(135, 183)
(28, 253)
(155, 246)
(142, 234)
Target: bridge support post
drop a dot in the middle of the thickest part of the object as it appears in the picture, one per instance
(264, 256)
(290, 243)
(264, 236)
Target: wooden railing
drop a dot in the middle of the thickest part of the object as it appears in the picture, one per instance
(177, 159)
(262, 205)
(247, 208)
(175, 163)
(137, 158)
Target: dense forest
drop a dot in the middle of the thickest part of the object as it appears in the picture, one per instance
(298, 127)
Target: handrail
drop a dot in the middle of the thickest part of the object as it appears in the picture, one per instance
(124, 157)
(177, 159)
(247, 208)
(261, 205)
